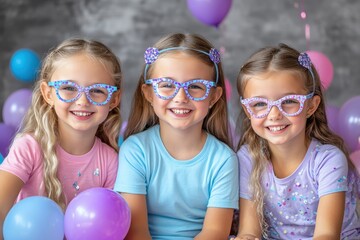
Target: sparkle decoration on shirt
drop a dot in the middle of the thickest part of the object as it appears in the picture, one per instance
(76, 186)
(97, 172)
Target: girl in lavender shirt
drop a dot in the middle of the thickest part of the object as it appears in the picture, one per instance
(296, 180)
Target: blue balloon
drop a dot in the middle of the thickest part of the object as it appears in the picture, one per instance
(1, 158)
(25, 64)
(34, 218)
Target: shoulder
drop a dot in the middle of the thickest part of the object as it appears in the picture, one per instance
(104, 148)
(215, 146)
(25, 144)
(142, 139)
(326, 152)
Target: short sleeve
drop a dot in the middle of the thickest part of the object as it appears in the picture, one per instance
(23, 158)
(245, 167)
(225, 192)
(131, 174)
(112, 168)
(331, 170)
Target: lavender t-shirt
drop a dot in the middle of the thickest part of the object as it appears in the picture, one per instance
(291, 203)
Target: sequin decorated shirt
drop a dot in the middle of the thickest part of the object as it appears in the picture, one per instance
(97, 168)
(290, 203)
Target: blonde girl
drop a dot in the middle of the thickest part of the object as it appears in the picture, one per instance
(68, 140)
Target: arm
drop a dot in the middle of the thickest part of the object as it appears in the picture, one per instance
(217, 224)
(10, 186)
(330, 216)
(139, 229)
(249, 225)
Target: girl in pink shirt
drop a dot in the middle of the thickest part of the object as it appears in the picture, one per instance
(68, 140)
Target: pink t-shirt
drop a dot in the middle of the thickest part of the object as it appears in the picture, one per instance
(97, 168)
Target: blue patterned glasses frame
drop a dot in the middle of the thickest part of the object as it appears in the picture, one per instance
(167, 88)
(97, 94)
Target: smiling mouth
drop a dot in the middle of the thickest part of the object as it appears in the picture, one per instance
(81, 114)
(277, 128)
(180, 111)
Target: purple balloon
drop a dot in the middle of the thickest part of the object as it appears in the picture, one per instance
(97, 214)
(349, 122)
(15, 107)
(7, 135)
(332, 114)
(209, 12)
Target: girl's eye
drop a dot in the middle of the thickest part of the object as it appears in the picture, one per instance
(259, 104)
(68, 88)
(197, 86)
(290, 101)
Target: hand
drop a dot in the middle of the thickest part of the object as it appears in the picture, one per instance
(243, 237)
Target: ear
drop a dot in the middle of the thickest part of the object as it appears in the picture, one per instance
(215, 95)
(313, 105)
(46, 93)
(148, 92)
(115, 100)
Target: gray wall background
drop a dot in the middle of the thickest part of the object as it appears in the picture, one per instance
(129, 27)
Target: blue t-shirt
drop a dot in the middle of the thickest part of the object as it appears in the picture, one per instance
(291, 203)
(178, 192)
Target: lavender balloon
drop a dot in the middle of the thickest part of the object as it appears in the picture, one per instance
(349, 122)
(15, 107)
(209, 12)
(332, 114)
(97, 214)
(7, 135)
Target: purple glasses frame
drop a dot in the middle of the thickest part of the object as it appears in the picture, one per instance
(305, 61)
(301, 98)
(185, 85)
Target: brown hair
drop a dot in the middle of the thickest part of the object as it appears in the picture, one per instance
(281, 58)
(142, 115)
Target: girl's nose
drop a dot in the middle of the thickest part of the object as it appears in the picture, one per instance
(82, 101)
(274, 113)
(181, 96)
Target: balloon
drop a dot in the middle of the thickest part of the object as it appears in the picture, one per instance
(228, 89)
(323, 66)
(15, 107)
(97, 214)
(209, 12)
(1, 158)
(25, 64)
(121, 135)
(349, 122)
(355, 159)
(34, 218)
(7, 134)
(332, 114)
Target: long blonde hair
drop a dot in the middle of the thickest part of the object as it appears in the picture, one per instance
(41, 120)
(281, 58)
(142, 115)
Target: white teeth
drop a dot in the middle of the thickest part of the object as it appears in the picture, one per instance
(180, 111)
(82, 114)
(275, 129)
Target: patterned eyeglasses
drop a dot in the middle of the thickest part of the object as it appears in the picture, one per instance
(289, 105)
(97, 94)
(167, 88)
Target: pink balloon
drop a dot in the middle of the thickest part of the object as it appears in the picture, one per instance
(323, 66)
(97, 214)
(228, 89)
(349, 122)
(15, 107)
(209, 12)
(355, 159)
